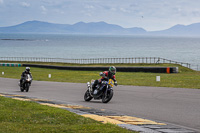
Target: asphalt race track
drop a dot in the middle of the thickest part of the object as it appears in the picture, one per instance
(168, 105)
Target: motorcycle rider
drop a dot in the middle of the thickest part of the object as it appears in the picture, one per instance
(23, 76)
(106, 75)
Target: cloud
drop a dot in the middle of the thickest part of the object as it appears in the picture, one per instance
(113, 9)
(24, 4)
(149, 14)
(59, 11)
(44, 10)
(124, 10)
(89, 7)
(1, 1)
(196, 13)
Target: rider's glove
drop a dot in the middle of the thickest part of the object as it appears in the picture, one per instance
(115, 83)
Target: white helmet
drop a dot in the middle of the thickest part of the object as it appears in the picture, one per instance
(28, 69)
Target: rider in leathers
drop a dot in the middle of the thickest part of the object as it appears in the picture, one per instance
(105, 76)
(27, 71)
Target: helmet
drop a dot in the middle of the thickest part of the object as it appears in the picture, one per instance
(27, 69)
(112, 69)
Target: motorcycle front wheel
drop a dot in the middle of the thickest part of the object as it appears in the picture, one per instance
(27, 87)
(22, 89)
(108, 97)
(87, 96)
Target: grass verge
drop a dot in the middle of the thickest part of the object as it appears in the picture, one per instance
(186, 78)
(29, 117)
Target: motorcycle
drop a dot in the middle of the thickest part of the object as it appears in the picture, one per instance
(26, 83)
(104, 91)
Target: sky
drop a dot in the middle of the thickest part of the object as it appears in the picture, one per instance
(152, 15)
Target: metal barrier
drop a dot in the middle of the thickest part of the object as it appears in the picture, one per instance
(147, 60)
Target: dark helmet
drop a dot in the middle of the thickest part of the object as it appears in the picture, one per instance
(112, 70)
(27, 69)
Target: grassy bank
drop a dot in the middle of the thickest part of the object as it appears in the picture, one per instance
(29, 117)
(186, 78)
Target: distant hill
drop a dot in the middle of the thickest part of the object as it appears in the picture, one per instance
(180, 30)
(98, 28)
(78, 28)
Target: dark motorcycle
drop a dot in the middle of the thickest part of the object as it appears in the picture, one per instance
(26, 83)
(104, 91)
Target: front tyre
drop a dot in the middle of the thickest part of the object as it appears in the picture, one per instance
(22, 89)
(108, 97)
(27, 87)
(87, 96)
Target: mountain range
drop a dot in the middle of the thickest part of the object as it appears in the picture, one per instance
(98, 28)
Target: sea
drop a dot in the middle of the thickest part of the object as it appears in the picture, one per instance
(181, 49)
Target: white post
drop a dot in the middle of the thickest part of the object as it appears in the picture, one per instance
(2, 73)
(49, 75)
(158, 78)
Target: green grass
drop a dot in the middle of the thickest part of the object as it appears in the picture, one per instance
(186, 78)
(23, 117)
(29, 117)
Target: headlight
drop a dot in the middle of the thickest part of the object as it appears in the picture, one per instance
(88, 83)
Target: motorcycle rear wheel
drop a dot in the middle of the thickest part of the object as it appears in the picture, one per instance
(87, 96)
(108, 97)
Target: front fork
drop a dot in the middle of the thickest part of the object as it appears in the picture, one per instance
(89, 88)
(107, 89)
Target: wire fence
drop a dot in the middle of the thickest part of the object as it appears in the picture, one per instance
(195, 67)
(147, 60)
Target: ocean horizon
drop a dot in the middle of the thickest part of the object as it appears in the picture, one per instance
(181, 49)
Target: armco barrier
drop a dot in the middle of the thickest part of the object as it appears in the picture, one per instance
(119, 69)
(10, 64)
(149, 69)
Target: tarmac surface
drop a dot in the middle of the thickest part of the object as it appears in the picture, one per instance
(163, 107)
